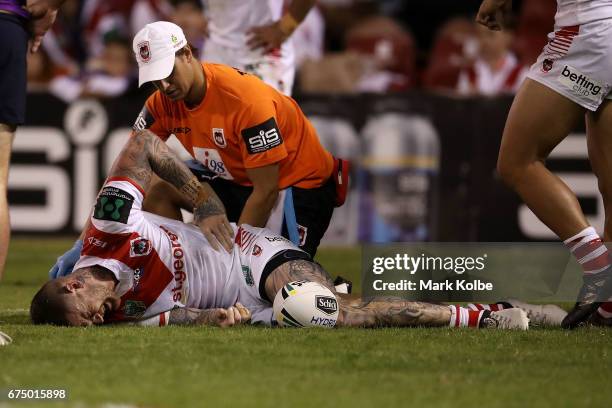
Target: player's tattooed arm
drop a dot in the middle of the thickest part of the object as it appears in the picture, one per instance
(186, 316)
(145, 153)
(392, 312)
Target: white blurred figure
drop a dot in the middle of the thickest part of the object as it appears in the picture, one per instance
(255, 36)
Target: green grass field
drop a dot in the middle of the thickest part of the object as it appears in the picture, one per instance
(258, 367)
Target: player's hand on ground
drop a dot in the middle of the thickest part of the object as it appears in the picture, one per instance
(231, 316)
(217, 230)
(492, 13)
(42, 19)
(65, 263)
(267, 37)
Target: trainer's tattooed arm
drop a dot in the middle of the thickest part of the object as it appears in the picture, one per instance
(381, 312)
(186, 316)
(145, 153)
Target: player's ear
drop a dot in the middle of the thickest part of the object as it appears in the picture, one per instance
(72, 285)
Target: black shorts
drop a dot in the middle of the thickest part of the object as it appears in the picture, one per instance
(13, 51)
(313, 207)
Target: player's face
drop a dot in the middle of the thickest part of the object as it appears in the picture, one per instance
(178, 84)
(89, 303)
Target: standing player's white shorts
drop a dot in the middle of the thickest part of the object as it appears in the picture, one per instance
(257, 247)
(577, 63)
(276, 70)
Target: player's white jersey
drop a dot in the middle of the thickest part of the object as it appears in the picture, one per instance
(162, 263)
(229, 20)
(577, 12)
(229, 24)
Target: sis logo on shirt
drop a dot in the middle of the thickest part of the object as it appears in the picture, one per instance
(211, 159)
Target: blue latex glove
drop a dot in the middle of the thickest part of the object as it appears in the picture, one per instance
(65, 263)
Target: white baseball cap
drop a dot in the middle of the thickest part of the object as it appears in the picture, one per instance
(155, 46)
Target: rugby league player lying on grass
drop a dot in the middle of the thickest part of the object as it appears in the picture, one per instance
(142, 268)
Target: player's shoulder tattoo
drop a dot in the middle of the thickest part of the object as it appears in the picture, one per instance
(262, 137)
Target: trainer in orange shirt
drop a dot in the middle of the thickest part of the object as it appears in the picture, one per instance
(264, 155)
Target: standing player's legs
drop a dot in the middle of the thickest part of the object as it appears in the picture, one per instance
(538, 121)
(13, 49)
(599, 141)
(599, 138)
(6, 142)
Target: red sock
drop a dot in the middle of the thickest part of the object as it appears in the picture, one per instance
(463, 317)
(494, 307)
(589, 251)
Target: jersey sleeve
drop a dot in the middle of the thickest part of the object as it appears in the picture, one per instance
(151, 117)
(118, 207)
(261, 140)
(159, 320)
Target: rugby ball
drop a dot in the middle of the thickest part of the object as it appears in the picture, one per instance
(305, 304)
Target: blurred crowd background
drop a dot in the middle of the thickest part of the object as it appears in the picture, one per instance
(343, 46)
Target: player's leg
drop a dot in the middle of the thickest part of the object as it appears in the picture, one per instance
(13, 51)
(6, 141)
(313, 211)
(540, 119)
(390, 312)
(599, 138)
(599, 141)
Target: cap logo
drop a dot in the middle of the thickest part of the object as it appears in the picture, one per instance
(144, 51)
(174, 39)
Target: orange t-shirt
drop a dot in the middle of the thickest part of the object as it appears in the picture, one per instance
(242, 123)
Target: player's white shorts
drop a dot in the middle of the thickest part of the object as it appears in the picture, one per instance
(276, 71)
(577, 63)
(257, 247)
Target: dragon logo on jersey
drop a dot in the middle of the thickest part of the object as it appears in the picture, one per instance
(140, 247)
(113, 204)
(134, 308)
(262, 137)
(256, 250)
(219, 138)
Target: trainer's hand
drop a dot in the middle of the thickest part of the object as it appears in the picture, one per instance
(268, 37)
(42, 19)
(65, 263)
(492, 13)
(231, 316)
(217, 230)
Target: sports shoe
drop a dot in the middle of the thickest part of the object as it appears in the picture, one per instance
(594, 288)
(541, 315)
(505, 319)
(5, 339)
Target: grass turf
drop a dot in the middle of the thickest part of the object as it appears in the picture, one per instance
(249, 366)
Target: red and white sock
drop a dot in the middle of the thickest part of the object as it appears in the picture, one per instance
(605, 310)
(464, 317)
(589, 251)
(494, 307)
